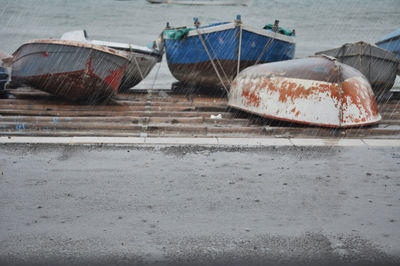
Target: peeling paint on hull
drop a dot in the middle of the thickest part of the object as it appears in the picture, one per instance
(306, 101)
(70, 70)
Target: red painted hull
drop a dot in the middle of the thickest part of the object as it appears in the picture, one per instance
(72, 70)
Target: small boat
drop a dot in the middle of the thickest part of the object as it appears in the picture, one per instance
(141, 59)
(74, 70)
(5, 59)
(211, 56)
(5, 63)
(377, 64)
(202, 2)
(3, 79)
(391, 42)
(315, 91)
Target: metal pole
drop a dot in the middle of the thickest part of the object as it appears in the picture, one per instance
(238, 22)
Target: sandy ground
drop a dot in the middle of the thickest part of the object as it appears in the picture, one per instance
(107, 205)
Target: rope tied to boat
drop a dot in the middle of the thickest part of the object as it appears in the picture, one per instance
(265, 49)
(218, 62)
(197, 24)
(160, 48)
(136, 62)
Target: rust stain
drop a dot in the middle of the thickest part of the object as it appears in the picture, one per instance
(73, 85)
(290, 90)
(234, 83)
(114, 78)
(89, 66)
(358, 95)
(251, 95)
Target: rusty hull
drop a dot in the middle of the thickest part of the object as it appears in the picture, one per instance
(331, 103)
(73, 70)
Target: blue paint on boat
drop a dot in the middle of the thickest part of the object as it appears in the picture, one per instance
(227, 43)
(391, 42)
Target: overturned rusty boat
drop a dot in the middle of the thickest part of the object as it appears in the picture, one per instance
(315, 91)
(74, 70)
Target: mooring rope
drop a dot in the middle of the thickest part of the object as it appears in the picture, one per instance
(267, 45)
(155, 77)
(137, 64)
(219, 62)
(211, 59)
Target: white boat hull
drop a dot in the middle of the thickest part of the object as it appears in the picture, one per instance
(297, 91)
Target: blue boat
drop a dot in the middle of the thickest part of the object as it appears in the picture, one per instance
(391, 42)
(211, 56)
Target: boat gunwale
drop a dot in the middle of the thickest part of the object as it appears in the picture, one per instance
(393, 56)
(228, 26)
(340, 125)
(395, 60)
(394, 38)
(128, 48)
(77, 44)
(141, 52)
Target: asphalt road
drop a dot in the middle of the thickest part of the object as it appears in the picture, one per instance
(108, 205)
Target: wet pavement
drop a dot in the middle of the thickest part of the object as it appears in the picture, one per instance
(193, 205)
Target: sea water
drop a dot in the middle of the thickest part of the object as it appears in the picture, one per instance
(319, 24)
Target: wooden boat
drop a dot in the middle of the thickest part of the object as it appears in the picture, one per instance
(202, 2)
(74, 70)
(377, 64)
(314, 91)
(391, 42)
(141, 59)
(212, 55)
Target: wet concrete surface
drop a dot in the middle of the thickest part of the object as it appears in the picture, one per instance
(190, 205)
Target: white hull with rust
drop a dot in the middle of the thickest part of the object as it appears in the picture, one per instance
(306, 101)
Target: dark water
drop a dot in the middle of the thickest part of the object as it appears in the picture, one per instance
(319, 24)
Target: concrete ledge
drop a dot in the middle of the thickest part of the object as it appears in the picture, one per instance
(212, 141)
(181, 141)
(254, 141)
(44, 140)
(328, 142)
(382, 142)
(107, 140)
